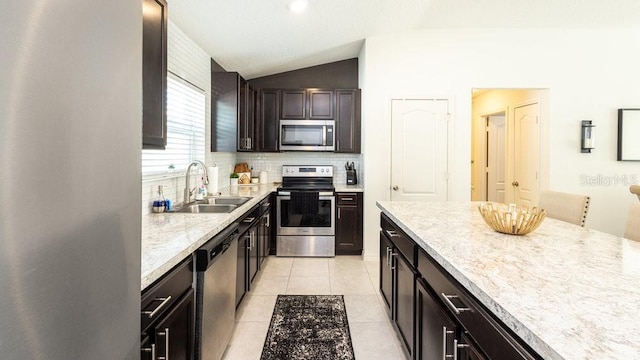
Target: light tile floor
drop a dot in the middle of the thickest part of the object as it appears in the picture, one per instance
(372, 335)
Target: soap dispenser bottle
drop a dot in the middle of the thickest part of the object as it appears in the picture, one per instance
(159, 203)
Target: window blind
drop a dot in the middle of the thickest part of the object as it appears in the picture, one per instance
(185, 130)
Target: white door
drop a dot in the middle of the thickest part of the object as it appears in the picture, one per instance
(419, 149)
(496, 158)
(526, 125)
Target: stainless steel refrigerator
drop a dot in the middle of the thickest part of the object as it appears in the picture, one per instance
(70, 190)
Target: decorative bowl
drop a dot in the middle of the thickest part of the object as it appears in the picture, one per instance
(509, 219)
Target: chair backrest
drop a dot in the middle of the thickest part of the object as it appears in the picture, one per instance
(635, 189)
(632, 231)
(567, 207)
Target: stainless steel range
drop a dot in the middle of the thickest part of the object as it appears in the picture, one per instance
(306, 211)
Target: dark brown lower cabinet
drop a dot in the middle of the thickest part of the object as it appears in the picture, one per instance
(168, 313)
(405, 293)
(468, 350)
(386, 273)
(435, 330)
(349, 224)
(241, 272)
(174, 334)
(397, 283)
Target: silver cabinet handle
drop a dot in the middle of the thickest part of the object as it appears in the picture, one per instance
(346, 199)
(165, 333)
(338, 213)
(447, 300)
(268, 221)
(248, 220)
(445, 356)
(391, 257)
(152, 313)
(388, 257)
(392, 233)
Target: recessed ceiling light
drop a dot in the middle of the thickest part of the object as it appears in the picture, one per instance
(298, 6)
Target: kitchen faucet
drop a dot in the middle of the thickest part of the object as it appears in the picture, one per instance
(187, 190)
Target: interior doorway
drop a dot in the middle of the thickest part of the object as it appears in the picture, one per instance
(507, 145)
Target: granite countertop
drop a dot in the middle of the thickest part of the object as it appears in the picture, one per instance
(167, 239)
(567, 291)
(348, 188)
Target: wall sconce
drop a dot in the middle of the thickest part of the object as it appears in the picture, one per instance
(588, 142)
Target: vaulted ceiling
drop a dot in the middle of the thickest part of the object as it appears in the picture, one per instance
(262, 37)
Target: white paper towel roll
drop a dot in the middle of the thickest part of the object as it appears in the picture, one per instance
(263, 177)
(212, 188)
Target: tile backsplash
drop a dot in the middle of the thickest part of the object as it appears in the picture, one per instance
(173, 186)
(272, 163)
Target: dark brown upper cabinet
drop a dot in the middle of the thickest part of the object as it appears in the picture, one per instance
(320, 104)
(348, 121)
(267, 120)
(294, 104)
(231, 112)
(307, 104)
(154, 74)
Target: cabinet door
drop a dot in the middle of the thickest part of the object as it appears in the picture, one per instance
(349, 224)
(468, 350)
(147, 349)
(347, 231)
(154, 74)
(253, 253)
(348, 121)
(245, 117)
(294, 104)
(174, 336)
(435, 331)
(268, 120)
(405, 297)
(241, 272)
(264, 235)
(321, 104)
(225, 106)
(386, 274)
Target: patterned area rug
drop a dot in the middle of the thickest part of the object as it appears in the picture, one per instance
(308, 327)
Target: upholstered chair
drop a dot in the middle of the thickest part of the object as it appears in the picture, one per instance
(635, 189)
(632, 231)
(567, 207)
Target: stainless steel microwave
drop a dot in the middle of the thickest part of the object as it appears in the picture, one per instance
(307, 135)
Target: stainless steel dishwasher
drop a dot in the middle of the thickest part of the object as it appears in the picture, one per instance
(215, 264)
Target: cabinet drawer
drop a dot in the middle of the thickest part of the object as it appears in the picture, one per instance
(406, 246)
(348, 199)
(494, 338)
(160, 296)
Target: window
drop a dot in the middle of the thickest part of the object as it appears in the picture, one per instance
(185, 130)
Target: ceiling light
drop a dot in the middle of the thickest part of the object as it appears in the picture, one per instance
(298, 6)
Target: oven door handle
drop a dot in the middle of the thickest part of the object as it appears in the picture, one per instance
(287, 197)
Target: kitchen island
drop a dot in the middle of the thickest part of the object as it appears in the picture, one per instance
(565, 291)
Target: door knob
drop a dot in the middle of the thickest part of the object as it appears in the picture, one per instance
(395, 188)
(515, 183)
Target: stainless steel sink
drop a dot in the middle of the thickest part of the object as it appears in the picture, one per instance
(228, 200)
(208, 208)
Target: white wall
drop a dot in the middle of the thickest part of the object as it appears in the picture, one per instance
(590, 74)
